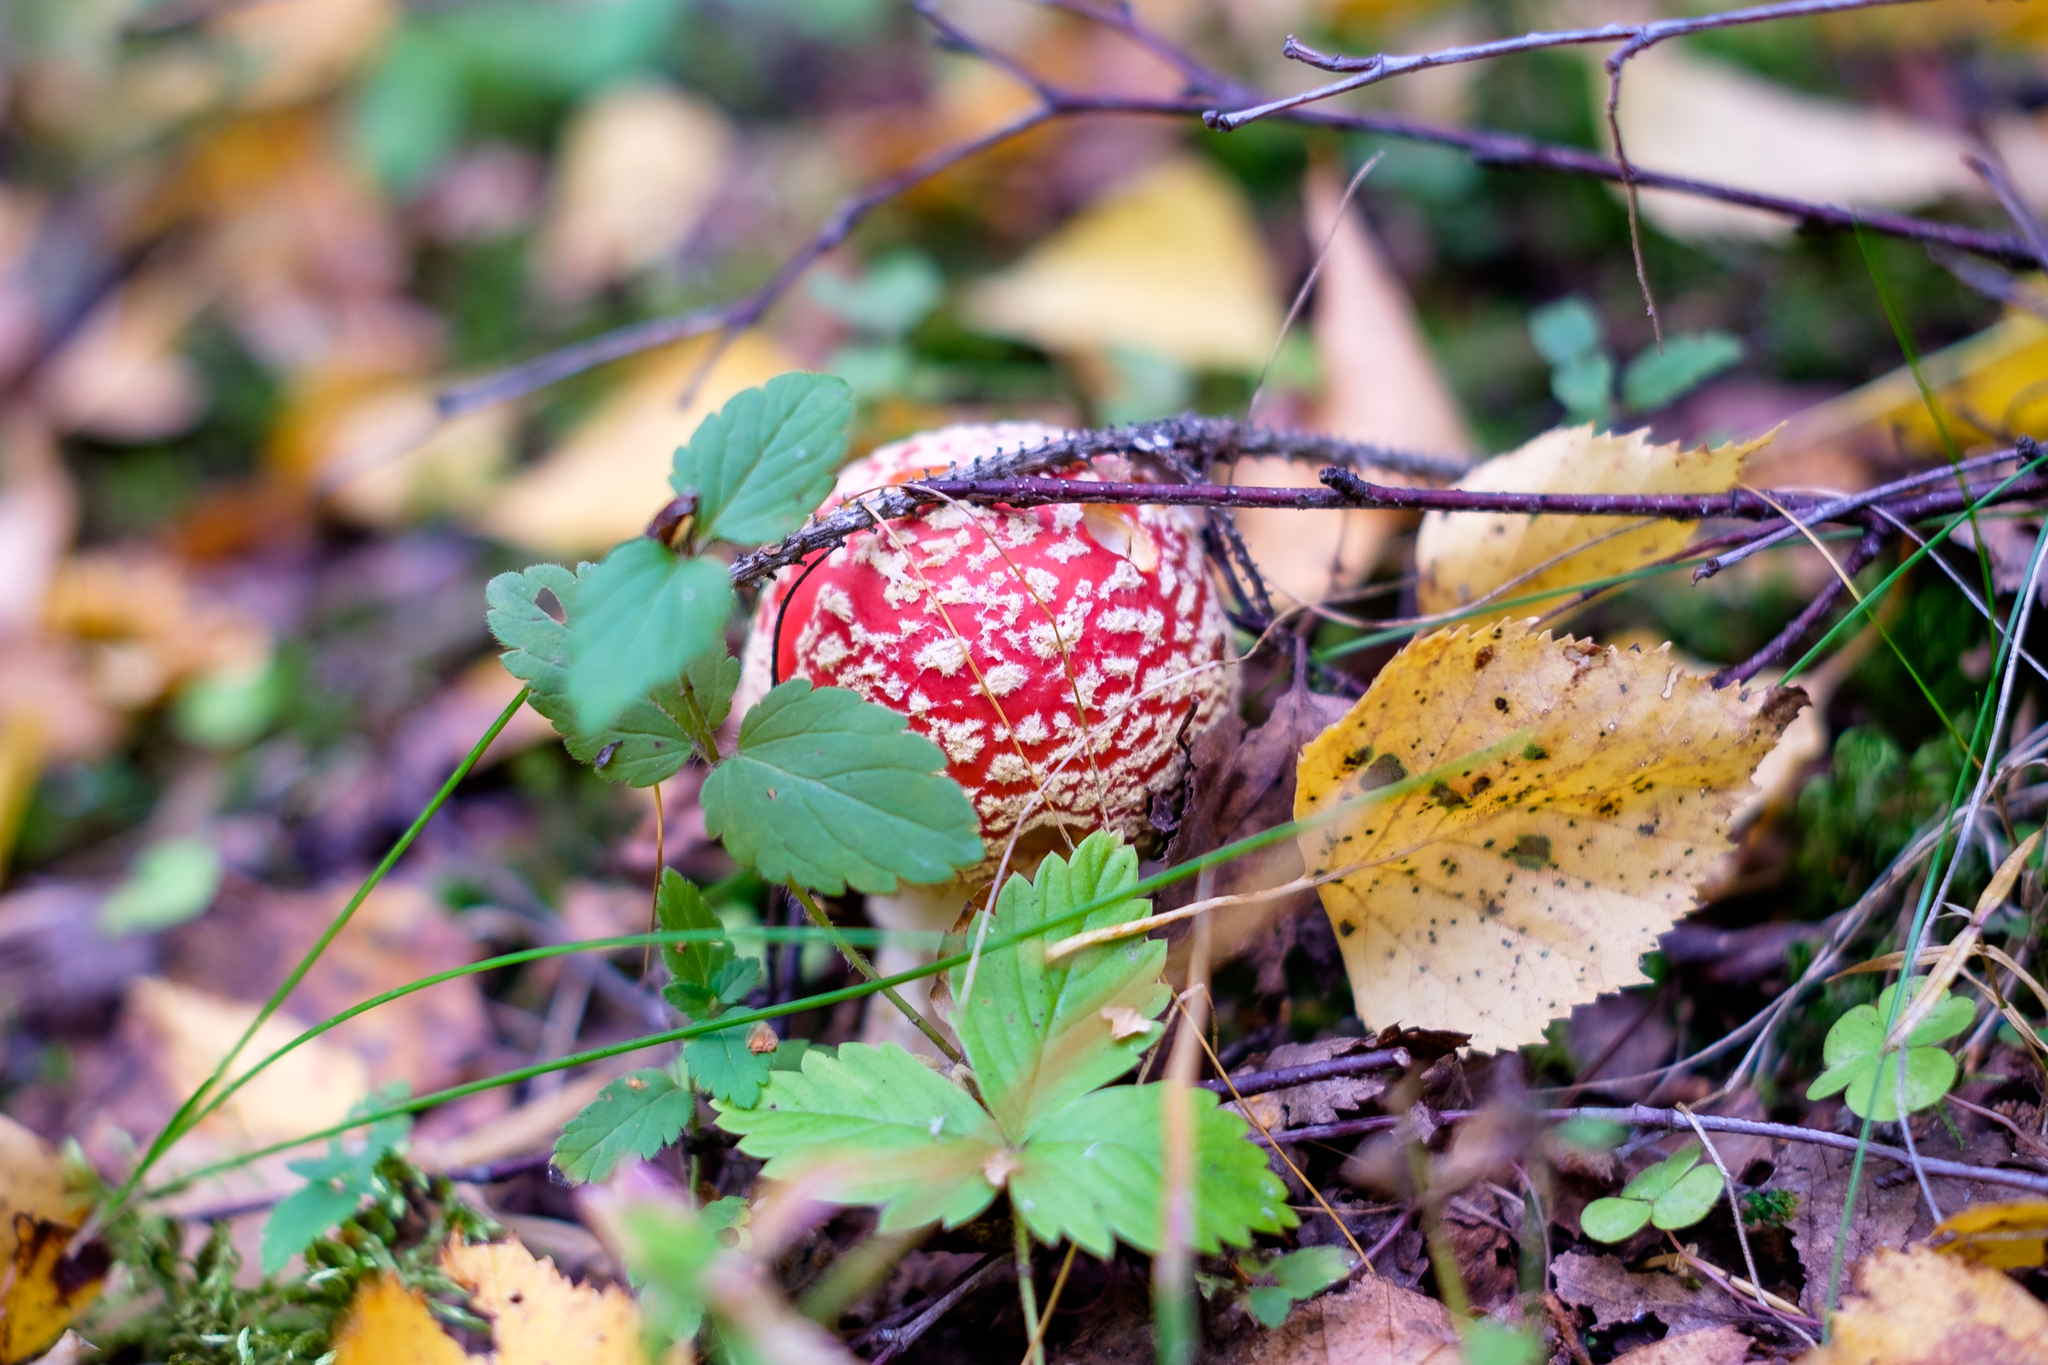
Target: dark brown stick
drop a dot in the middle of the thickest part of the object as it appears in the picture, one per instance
(1286, 1077)
(1796, 630)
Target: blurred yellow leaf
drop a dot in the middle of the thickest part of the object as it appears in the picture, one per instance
(1170, 263)
(610, 474)
(121, 377)
(377, 446)
(1462, 556)
(638, 165)
(139, 630)
(31, 1182)
(537, 1317)
(1530, 880)
(45, 1286)
(2009, 1236)
(308, 1089)
(1918, 1306)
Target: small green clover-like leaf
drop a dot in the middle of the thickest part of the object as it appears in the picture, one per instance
(641, 616)
(635, 1115)
(1565, 330)
(724, 1067)
(1652, 1181)
(1093, 1170)
(1688, 360)
(1869, 1082)
(1614, 1219)
(1688, 1201)
(173, 881)
(893, 1132)
(1298, 1275)
(646, 744)
(830, 791)
(1039, 1034)
(764, 461)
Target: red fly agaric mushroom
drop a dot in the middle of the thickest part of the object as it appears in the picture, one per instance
(1061, 656)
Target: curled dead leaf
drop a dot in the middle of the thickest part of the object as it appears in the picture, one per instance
(47, 1285)
(1557, 804)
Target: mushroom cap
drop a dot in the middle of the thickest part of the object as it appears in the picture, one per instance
(949, 618)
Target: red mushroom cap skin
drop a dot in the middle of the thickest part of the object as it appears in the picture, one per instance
(949, 618)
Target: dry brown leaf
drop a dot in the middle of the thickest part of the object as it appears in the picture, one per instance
(1564, 801)
(637, 166)
(1713, 1346)
(141, 630)
(1615, 1295)
(1380, 384)
(1373, 1320)
(1171, 263)
(309, 1089)
(1321, 1101)
(1463, 556)
(1922, 1308)
(610, 474)
(121, 376)
(540, 1318)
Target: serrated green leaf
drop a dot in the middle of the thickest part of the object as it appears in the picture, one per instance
(680, 907)
(1688, 360)
(646, 744)
(1653, 1181)
(1094, 1170)
(302, 1216)
(635, 1115)
(713, 676)
(764, 461)
(830, 791)
(336, 1183)
(667, 1249)
(1310, 1270)
(1614, 1220)
(1270, 1305)
(894, 1133)
(723, 1067)
(641, 616)
(1688, 1201)
(1036, 1034)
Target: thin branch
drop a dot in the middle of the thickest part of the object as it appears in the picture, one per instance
(1287, 1077)
(1801, 625)
(1380, 67)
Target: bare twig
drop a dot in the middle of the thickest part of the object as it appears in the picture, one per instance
(1286, 1077)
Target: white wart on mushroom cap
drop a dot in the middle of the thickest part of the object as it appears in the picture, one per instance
(1007, 635)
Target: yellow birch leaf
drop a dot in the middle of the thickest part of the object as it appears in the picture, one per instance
(537, 1316)
(31, 1182)
(1919, 1306)
(2007, 1236)
(46, 1286)
(1462, 556)
(388, 1322)
(1583, 791)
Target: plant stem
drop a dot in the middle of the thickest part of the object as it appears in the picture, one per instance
(866, 968)
(1027, 1293)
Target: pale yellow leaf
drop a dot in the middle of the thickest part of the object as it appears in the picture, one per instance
(45, 1286)
(1568, 799)
(385, 458)
(287, 50)
(310, 1088)
(1460, 557)
(1919, 1307)
(387, 1322)
(537, 1316)
(121, 376)
(31, 1182)
(610, 474)
(1170, 263)
(638, 165)
(2010, 1236)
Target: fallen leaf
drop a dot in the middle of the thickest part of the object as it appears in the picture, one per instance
(1372, 1320)
(610, 474)
(1170, 263)
(637, 166)
(141, 629)
(1321, 1101)
(1919, 1307)
(31, 1183)
(1463, 556)
(45, 1286)
(1711, 1346)
(309, 1089)
(387, 1322)
(2008, 1236)
(1691, 116)
(121, 376)
(1530, 880)
(1380, 384)
(540, 1318)
(375, 446)
(290, 49)
(1616, 1295)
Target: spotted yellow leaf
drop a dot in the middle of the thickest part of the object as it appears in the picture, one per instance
(1463, 556)
(1572, 796)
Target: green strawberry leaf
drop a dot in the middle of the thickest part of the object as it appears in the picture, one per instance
(1688, 1201)
(641, 616)
(698, 971)
(764, 461)
(646, 744)
(1298, 1275)
(714, 676)
(1614, 1219)
(302, 1216)
(830, 791)
(336, 1184)
(1093, 1170)
(1039, 1035)
(636, 1115)
(724, 1067)
(892, 1131)
(1687, 361)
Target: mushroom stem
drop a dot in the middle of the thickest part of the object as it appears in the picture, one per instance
(861, 964)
